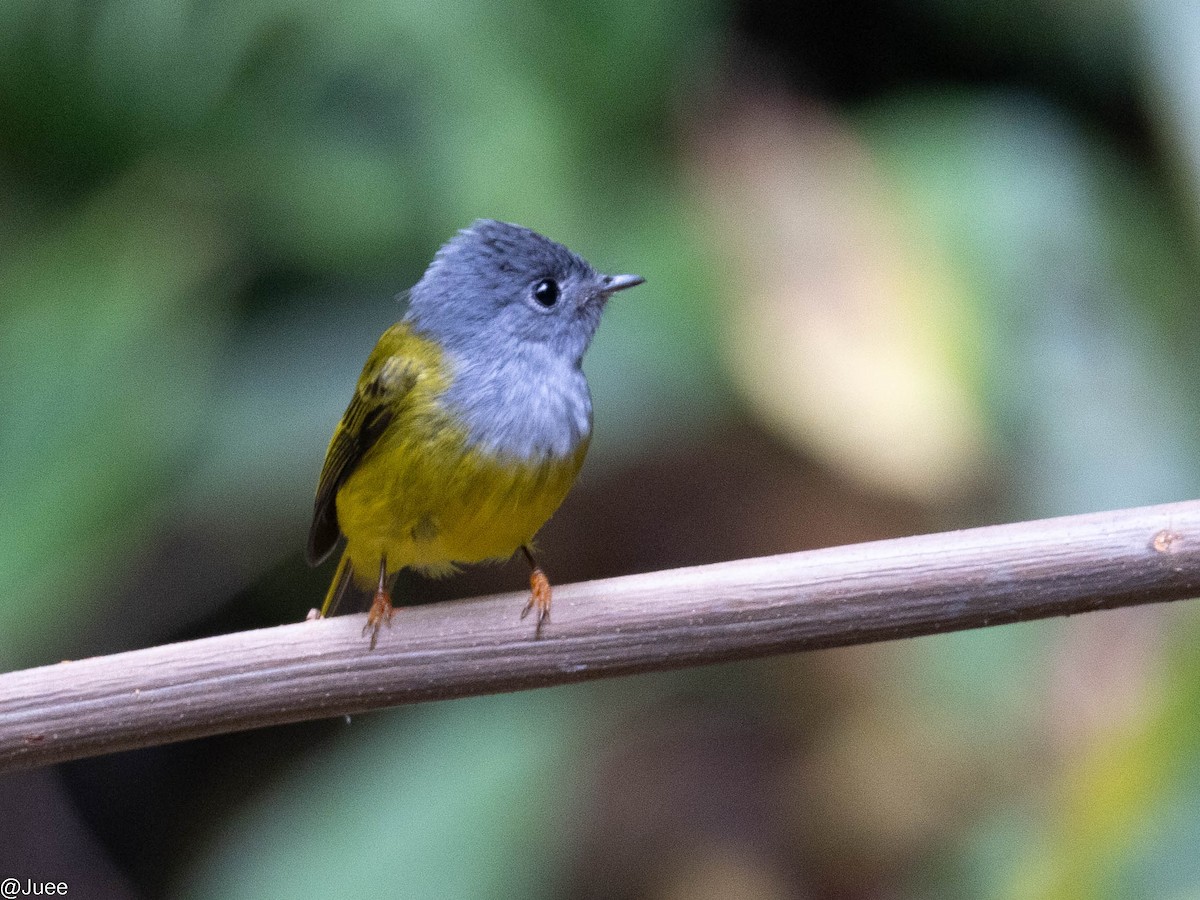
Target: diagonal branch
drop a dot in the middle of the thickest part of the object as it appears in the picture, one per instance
(685, 617)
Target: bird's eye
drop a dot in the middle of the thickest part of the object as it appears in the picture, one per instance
(545, 292)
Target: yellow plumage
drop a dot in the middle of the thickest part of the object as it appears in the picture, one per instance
(417, 494)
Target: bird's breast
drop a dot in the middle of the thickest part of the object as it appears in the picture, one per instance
(522, 407)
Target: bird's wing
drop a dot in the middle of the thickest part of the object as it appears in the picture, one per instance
(385, 381)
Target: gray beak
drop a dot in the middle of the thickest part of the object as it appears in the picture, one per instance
(613, 283)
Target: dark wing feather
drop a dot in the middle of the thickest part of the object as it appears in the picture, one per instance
(370, 412)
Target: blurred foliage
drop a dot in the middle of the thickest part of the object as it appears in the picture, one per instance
(1078, 281)
(418, 801)
(910, 263)
(90, 453)
(268, 144)
(1126, 809)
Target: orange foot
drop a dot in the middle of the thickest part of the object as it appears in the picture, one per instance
(381, 614)
(539, 599)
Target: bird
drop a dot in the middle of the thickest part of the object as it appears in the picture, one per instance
(470, 420)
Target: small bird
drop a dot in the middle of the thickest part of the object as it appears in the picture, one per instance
(470, 420)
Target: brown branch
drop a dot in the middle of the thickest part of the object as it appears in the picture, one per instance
(686, 617)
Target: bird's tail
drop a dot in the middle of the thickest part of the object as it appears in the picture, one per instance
(337, 588)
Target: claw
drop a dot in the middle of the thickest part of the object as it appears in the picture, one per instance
(539, 599)
(381, 614)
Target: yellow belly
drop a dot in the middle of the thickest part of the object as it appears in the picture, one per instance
(429, 502)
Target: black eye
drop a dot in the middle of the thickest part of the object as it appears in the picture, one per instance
(545, 292)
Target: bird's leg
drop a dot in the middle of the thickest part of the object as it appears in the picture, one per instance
(539, 592)
(381, 605)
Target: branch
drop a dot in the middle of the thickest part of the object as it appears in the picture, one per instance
(685, 617)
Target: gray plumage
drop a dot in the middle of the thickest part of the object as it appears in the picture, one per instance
(516, 360)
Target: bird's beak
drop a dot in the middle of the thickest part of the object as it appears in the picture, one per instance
(613, 283)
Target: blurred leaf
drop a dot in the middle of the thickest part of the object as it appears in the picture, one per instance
(107, 356)
(651, 364)
(845, 328)
(1053, 234)
(1123, 799)
(322, 202)
(463, 799)
(87, 88)
(1170, 40)
(980, 682)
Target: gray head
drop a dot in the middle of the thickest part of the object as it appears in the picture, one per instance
(495, 285)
